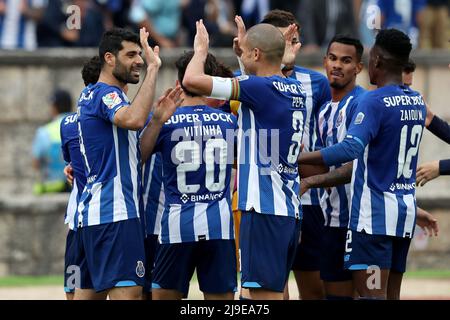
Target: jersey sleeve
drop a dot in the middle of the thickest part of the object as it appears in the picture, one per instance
(111, 101)
(64, 147)
(250, 90)
(366, 120)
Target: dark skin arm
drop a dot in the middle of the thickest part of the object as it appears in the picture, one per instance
(340, 176)
(313, 158)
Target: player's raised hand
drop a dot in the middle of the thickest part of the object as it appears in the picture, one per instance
(427, 222)
(201, 40)
(427, 172)
(292, 45)
(151, 55)
(237, 41)
(167, 104)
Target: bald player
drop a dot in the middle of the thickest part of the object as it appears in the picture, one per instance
(271, 121)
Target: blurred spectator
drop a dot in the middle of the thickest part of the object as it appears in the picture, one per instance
(368, 20)
(252, 11)
(322, 19)
(18, 23)
(116, 13)
(53, 30)
(404, 15)
(47, 157)
(161, 18)
(434, 25)
(218, 17)
(286, 5)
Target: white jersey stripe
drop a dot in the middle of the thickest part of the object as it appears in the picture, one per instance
(391, 206)
(279, 198)
(94, 204)
(410, 214)
(253, 185)
(225, 217)
(365, 216)
(174, 223)
(201, 220)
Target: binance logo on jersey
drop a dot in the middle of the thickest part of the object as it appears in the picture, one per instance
(111, 99)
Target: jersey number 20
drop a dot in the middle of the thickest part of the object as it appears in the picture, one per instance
(191, 166)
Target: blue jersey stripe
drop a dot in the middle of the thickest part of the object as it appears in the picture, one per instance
(214, 224)
(165, 226)
(357, 193)
(186, 224)
(378, 209)
(343, 206)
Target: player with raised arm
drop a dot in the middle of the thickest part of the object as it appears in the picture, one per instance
(196, 144)
(307, 259)
(108, 213)
(72, 156)
(271, 121)
(383, 137)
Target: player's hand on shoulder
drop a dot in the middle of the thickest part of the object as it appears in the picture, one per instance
(427, 172)
(151, 55)
(201, 40)
(167, 105)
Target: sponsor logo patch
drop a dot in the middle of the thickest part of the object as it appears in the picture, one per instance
(111, 99)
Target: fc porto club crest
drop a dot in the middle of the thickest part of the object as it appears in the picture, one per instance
(339, 119)
(140, 269)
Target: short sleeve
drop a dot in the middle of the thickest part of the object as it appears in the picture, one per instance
(64, 146)
(366, 120)
(111, 101)
(250, 90)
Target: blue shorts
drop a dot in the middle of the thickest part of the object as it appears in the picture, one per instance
(151, 245)
(307, 256)
(215, 261)
(75, 268)
(267, 249)
(386, 252)
(332, 255)
(115, 254)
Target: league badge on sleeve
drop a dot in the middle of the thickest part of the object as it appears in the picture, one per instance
(111, 99)
(359, 118)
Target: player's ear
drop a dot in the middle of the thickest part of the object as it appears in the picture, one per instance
(110, 59)
(359, 67)
(256, 54)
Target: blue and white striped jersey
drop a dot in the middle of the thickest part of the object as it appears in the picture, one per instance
(318, 93)
(333, 122)
(153, 197)
(388, 123)
(196, 146)
(70, 145)
(271, 121)
(111, 157)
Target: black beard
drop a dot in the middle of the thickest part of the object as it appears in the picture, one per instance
(336, 85)
(123, 75)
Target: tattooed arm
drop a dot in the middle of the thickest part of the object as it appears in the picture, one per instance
(341, 175)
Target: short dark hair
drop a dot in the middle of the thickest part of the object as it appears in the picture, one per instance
(112, 41)
(344, 39)
(212, 68)
(280, 19)
(61, 100)
(91, 70)
(395, 43)
(410, 66)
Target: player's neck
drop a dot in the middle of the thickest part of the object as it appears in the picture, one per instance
(269, 70)
(193, 101)
(109, 79)
(389, 79)
(339, 94)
